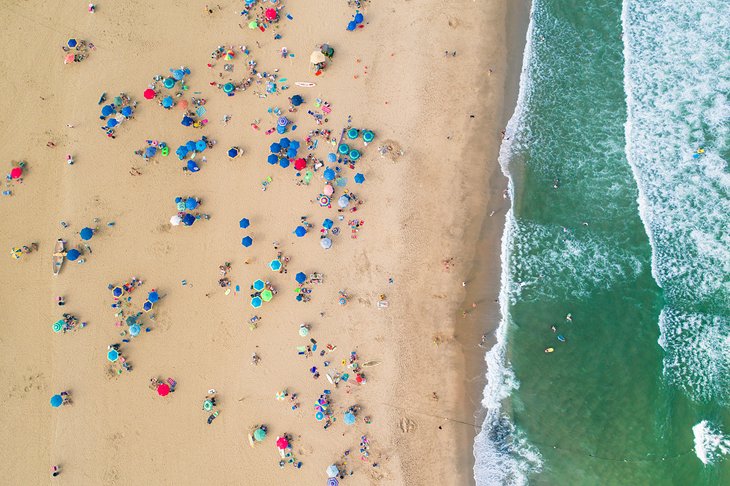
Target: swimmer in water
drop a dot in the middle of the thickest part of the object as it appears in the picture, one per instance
(553, 328)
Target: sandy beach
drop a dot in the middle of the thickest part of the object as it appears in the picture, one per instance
(431, 216)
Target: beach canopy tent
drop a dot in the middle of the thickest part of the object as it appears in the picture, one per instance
(300, 231)
(247, 241)
(56, 401)
(244, 223)
(73, 254)
(300, 277)
(349, 418)
(327, 223)
(175, 220)
(193, 166)
(86, 234)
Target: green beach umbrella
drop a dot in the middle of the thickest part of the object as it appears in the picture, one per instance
(266, 295)
(259, 435)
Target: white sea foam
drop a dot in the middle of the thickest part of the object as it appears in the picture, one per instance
(710, 444)
(502, 455)
(676, 78)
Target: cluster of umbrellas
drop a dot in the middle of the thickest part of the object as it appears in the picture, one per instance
(191, 147)
(262, 294)
(246, 240)
(152, 149)
(271, 15)
(356, 21)
(111, 110)
(283, 151)
(183, 205)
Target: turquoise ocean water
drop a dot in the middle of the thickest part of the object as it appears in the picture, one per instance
(619, 237)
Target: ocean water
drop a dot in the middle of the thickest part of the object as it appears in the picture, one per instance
(616, 251)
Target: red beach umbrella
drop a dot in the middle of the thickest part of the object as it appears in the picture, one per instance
(300, 164)
(270, 14)
(282, 443)
(163, 390)
(16, 173)
(149, 94)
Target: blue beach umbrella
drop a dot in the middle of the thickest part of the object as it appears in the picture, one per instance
(331, 157)
(112, 122)
(147, 305)
(167, 102)
(200, 145)
(275, 265)
(291, 152)
(86, 234)
(127, 111)
(247, 241)
(293, 144)
(117, 291)
(285, 142)
(193, 166)
(72, 42)
(297, 100)
(319, 416)
(244, 223)
(351, 25)
(256, 302)
(181, 151)
(190, 145)
(73, 254)
(329, 174)
(150, 152)
(56, 401)
(300, 231)
(349, 418)
(233, 152)
(107, 110)
(153, 296)
(327, 223)
(112, 355)
(259, 285)
(284, 163)
(191, 203)
(134, 329)
(186, 121)
(300, 277)
(188, 219)
(359, 178)
(272, 159)
(359, 18)
(178, 74)
(275, 148)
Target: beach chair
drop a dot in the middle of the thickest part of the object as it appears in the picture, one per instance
(172, 383)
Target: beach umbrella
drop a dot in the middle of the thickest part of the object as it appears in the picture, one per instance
(147, 306)
(284, 163)
(244, 223)
(181, 151)
(178, 74)
(317, 57)
(343, 201)
(117, 291)
(111, 123)
(282, 121)
(247, 241)
(228, 87)
(343, 149)
(328, 189)
(324, 201)
(351, 25)
(134, 329)
(259, 285)
(300, 164)
(280, 395)
(230, 55)
(353, 133)
(58, 325)
(272, 159)
(359, 178)
(329, 174)
(127, 111)
(270, 14)
(175, 220)
(112, 355)
(207, 405)
(153, 296)
(354, 154)
(131, 320)
(167, 102)
(163, 390)
(190, 145)
(303, 331)
(191, 203)
(188, 219)
(200, 146)
(193, 166)
(291, 152)
(275, 265)
(297, 100)
(319, 415)
(256, 302)
(233, 152)
(349, 418)
(73, 254)
(285, 143)
(300, 231)
(149, 94)
(359, 18)
(333, 482)
(150, 152)
(107, 110)
(169, 83)
(186, 121)
(325, 243)
(182, 104)
(72, 42)
(86, 234)
(267, 295)
(368, 136)
(259, 434)
(16, 172)
(282, 443)
(69, 59)
(331, 157)
(275, 148)
(56, 401)
(332, 471)
(327, 223)
(253, 24)
(300, 277)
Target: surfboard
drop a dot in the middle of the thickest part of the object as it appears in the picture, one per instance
(305, 84)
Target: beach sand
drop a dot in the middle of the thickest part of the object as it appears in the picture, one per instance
(429, 204)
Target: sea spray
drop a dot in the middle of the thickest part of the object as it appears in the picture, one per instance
(710, 444)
